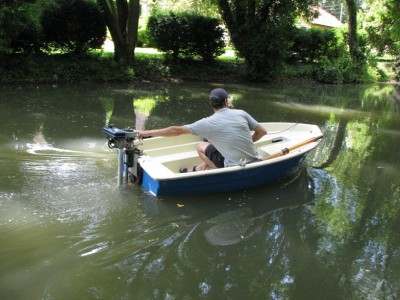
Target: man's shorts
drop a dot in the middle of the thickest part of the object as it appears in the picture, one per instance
(216, 157)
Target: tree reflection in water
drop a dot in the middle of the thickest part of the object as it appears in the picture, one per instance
(332, 232)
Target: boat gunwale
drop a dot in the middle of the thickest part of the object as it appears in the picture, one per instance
(147, 162)
(259, 164)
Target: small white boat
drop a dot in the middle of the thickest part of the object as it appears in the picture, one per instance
(159, 159)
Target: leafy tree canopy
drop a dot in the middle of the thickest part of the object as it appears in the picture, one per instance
(380, 20)
(18, 32)
(201, 7)
(261, 31)
(73, 26)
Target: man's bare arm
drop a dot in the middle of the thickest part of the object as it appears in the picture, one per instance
(168, 131)
(259, 132)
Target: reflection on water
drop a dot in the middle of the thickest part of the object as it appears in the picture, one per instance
(181, 242)
(66, 230)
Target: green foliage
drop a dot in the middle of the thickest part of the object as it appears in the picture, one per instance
(397, 68)
(18, 31)
(299, 72)
(194, 7)
(309, 44)
(100, 67)
(262, 31)
(337, 66)
(187, 35)
(394, 12)
(144, 38)
(264, 52)
(169, 33)
(206, 38)
(380, 20)
(73, 26)
(62, 68)
(332, 71)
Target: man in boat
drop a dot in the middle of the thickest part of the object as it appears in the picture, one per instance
(229, 135)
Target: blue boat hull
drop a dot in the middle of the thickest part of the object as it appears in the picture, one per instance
(223, 182)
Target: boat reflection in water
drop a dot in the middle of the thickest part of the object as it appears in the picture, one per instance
(195, 235)
(230, 218)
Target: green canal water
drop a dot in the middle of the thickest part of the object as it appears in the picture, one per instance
(67, 231)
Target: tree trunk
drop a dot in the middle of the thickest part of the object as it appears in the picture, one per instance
(122, 19)
(132, 29)
(353, 45)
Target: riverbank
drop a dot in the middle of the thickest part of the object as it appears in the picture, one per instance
(150, 66)
(61, 69)
(102, 68)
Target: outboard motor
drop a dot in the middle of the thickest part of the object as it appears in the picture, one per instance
(119, 138)
(128, 153)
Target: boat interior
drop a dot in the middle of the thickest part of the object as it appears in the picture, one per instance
(173, 153)
(181, 153)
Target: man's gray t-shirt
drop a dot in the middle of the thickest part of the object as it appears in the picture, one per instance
(229, 130)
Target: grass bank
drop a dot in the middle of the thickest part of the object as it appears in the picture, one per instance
(150, 65)
(100, 67)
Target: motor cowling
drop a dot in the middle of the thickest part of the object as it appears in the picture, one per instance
(119, 138)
